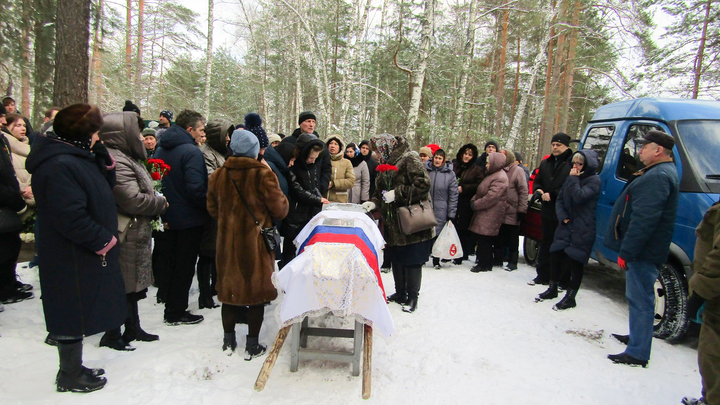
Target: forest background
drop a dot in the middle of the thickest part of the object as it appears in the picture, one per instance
(446, 72)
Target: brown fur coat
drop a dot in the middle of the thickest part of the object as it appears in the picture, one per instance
(244, 265)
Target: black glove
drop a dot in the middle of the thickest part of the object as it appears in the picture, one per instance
(695, 301)
(451, 218)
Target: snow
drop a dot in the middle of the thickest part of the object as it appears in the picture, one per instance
(475, 338)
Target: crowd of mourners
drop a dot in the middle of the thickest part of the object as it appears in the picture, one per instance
(119, 206)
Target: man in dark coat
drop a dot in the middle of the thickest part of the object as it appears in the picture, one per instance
(640, 229)
(548, 182)
(83, 291)
(185, 188)
(307, 122)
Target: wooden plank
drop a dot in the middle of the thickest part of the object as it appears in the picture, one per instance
(367, 362)
(271, 358)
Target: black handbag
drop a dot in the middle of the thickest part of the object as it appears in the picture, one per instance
(10, 221)
(269, 235)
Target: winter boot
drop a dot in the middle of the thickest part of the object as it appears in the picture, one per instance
(229, 343)
(114, 340)
(253, 348)
(436, 263)
(204, 271)
(133, 331)
(411, 305)
(72, 375)
(400, 298)
(567, 302)
(551, 292)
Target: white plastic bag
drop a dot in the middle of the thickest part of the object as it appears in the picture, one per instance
(447, 246)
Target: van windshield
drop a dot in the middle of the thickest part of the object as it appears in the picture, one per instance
(701, 140)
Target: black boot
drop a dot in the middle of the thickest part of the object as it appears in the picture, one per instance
(411, 305)
(72, 375)
(400, 295)
(229, 343)
(414, 280)
(400, 298)
(133, 330)
(204, 271)
(567, 302)
(253, 348)
(551, 292)
(114, 340)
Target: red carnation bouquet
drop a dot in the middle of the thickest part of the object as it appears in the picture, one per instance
(157, 169)
(385, 167)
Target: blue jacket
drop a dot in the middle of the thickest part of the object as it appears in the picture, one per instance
(278, 166)
(82, 292)
(577, 201)
(643, 219)
(185, 187)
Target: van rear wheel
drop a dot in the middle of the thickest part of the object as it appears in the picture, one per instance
(671, 320)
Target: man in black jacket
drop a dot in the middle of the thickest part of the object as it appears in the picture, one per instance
(550, 178)
(307, 122)
(185, 188)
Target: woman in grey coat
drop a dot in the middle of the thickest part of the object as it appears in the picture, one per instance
(443, 191)
(135, 198)
(361, 190)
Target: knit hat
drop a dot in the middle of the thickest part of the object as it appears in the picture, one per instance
(493, 143)
(148, 132)
(129, 106)
(561, 137)
(433, 147)
(78, 122)
(306, 115)
(425, 150)
(253, 123)
(518, 156)
(274, 138)
(244, 143)
(364, 142)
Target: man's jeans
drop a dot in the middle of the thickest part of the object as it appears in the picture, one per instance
(639, 291)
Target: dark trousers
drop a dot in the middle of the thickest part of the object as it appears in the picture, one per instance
(543, 262)
(288, 251)
(509, 241)
(10, 245)
(484, 252)
(468, 243)
(185, 247)
(560, 264)
(161, 254)
(407, 280)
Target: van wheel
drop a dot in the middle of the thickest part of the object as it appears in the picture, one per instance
(531, 247)
(671, 320)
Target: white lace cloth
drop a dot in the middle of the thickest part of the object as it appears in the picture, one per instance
(332, 277)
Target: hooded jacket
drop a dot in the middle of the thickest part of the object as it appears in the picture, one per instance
(517, 193)
(490, 199)
(443, 191)
(215, 149)
(83, 291)
(324, 173)
(305, 197)
(343, 175)
(134, 197)
(469, 176)
(577, 201)
(185, 186)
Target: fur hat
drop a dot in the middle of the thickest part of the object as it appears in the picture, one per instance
(148, 132)
(129, 106)
(306, 115)
(244, 143)
(253, 123)
(78, 122)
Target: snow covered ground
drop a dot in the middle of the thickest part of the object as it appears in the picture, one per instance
(476, 338)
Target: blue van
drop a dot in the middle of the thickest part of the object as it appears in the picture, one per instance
(695, 124)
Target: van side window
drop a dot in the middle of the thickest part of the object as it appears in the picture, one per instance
(598, 139)
(629, 161)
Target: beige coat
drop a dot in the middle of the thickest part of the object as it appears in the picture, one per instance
(342, 175)
(20, 150)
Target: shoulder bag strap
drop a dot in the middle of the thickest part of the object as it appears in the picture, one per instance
(245, 203)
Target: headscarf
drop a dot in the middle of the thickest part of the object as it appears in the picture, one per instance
(384, 144)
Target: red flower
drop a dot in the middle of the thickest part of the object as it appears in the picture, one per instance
(155, 176)
(385, 167)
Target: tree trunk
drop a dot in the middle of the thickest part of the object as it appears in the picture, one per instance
(298, 74)
(140, 49)
(698, 65)
(71, 56)
(517, 82)
(458, 126)
(96, 59)
(427, 24)
(376, 106)
(44, 54)
(25, 25)
(548, 72)
(128, 43)
(349, 77)
(501, 76)
(208, 59)
(569, 69)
